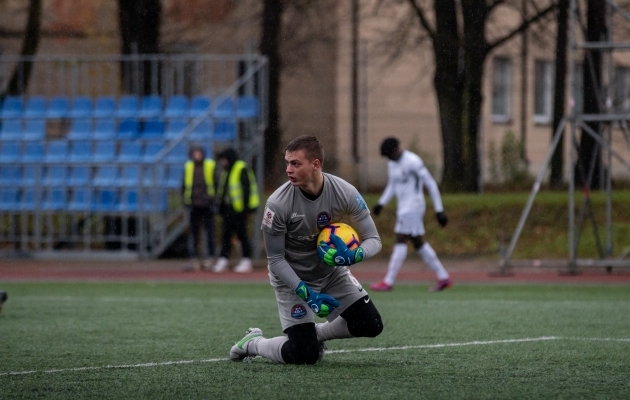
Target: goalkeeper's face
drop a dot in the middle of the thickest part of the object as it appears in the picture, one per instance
(300, 170)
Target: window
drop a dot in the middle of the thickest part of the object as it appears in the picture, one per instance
(543, 91)
(501, 86)
(622, 90)
(577, 88)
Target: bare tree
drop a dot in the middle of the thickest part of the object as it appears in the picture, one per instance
(22, 72)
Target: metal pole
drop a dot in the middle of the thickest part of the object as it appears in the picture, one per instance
(572, 112)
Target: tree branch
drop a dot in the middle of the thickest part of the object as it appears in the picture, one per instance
(522, 28)
(493, 4)
(423, 20)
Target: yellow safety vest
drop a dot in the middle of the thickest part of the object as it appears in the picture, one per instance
(208, 173)
(235, 189)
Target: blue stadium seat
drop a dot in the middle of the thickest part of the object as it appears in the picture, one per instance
(106, 200)
(154, 201)
(202, 132)
(105, 107)
(199, 105)
(127, 107)
(33, 152)
(81, 129)
(34, 130)
(9, 175)
(151, 150)
(57, 151)
(106, 176)
(247, 107)
(154, 176)
(175, 177)
(79, 176)
(130, 176)
(128, 202)
(9, 200)
(11, 130)
(81, 107)
(80, 151)
(35, 107)
(151, 107)
(80, 200)
(128, 129)
(55, 199)
(28, 200)
(175, 127)
(104, 151)
(9, 152)
(11, 107)
(55, 176)
(130, 151)
(226, 108)
(224, 130)
(179, 154)
(176, 107)
(153, 129)
(30, 175)
(104, 129)
(57, 108)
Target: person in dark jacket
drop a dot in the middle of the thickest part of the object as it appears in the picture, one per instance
(237, 195)
(198, 190)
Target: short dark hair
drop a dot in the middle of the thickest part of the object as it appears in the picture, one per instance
(389, 146)
(312, 147)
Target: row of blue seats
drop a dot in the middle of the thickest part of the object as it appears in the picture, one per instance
(127, 107)
(80, 176)
(221, 130)
(108, 200)
(62, 151)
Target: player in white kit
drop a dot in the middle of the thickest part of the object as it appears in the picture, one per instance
(309, 278)
(407, 177)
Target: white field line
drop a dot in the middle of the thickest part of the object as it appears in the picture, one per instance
(369, 349)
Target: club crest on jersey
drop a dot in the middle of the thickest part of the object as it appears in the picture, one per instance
(268, 217)
(298, 311)
(361, 202)
(323, 218)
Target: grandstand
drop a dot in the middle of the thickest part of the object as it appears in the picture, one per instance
(87, 170)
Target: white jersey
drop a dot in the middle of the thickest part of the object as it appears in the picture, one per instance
(407, 177)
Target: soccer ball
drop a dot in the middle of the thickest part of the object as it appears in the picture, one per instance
(344, 231)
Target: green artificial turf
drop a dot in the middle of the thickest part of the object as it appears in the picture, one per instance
(56, 328)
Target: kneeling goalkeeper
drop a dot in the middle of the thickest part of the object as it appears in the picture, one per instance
(311, 278)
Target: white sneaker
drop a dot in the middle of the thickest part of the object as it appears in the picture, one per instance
(221, 265)
(240, 351)
(244, 266)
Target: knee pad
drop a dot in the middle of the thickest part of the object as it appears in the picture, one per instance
(363, 318)
(302, 346)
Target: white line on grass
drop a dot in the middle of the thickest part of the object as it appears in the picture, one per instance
(369, 349)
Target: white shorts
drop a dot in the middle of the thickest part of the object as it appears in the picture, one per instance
(340, 284)
(410, 224)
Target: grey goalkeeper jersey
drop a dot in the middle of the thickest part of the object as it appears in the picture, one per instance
(291, 223)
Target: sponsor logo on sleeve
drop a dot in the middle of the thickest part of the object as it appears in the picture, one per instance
(268, 217)
(361, 202)
(323, 218)
(298, 311)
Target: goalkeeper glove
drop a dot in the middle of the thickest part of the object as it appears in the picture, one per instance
(377, 209)
(340, 254)
(321, 304)
(442, 219)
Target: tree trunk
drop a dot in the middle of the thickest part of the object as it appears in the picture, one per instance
(270, 47)
(557, 159)
(588, 152)
(22, 72)
(139, 24)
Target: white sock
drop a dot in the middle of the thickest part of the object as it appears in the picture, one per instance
(431, 259)
(337, 329)
(268, 348)
(395, 262)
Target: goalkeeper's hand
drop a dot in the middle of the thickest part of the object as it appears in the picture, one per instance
(321, 304)
(441, 218)
(340, 254)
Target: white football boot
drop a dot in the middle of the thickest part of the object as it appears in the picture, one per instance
(239, 351)
(244, 266)
(221, 265)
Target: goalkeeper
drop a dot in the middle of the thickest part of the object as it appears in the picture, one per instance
(311, 278)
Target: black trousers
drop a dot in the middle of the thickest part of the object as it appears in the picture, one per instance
(201, 216)
(234, 222)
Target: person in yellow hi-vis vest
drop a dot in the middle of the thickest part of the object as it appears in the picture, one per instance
(237, 195)
(198, 189)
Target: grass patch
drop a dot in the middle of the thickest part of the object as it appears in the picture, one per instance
(51, 326)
